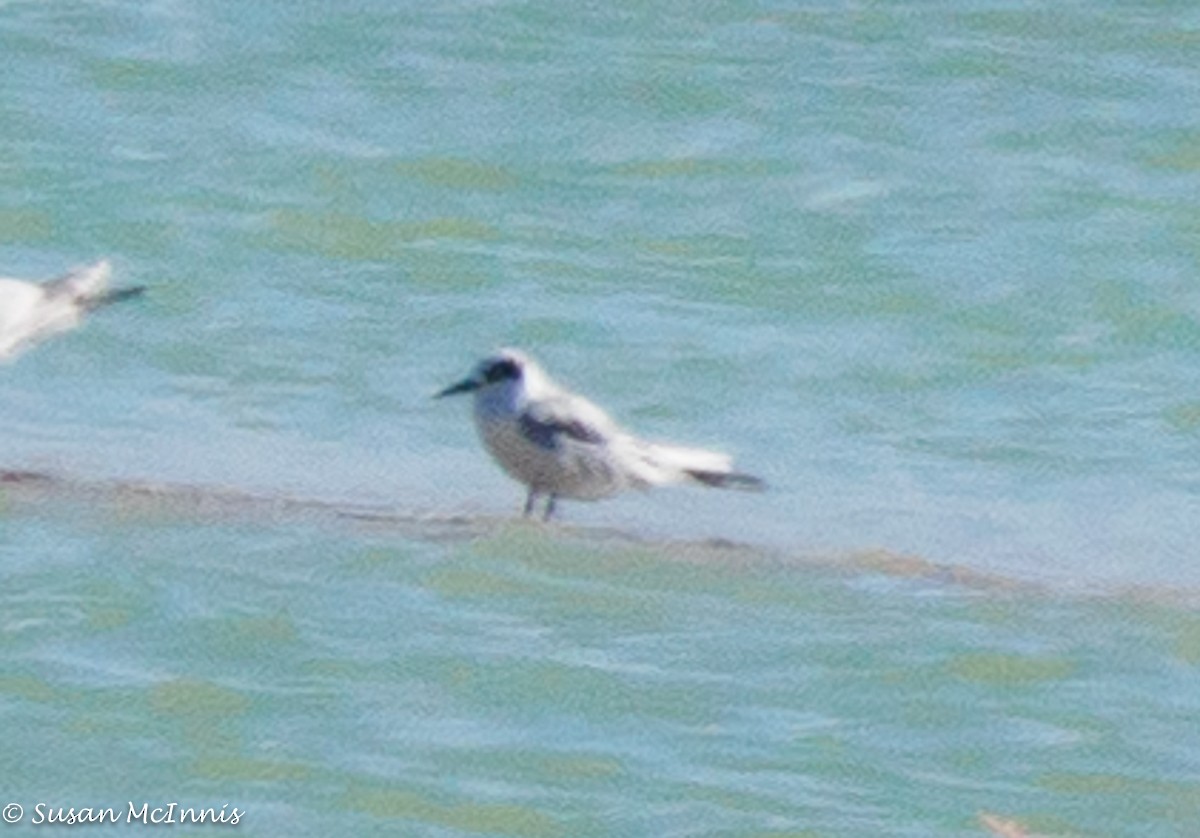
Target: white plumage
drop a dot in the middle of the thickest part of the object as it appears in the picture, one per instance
(559, 444)
(31, 312)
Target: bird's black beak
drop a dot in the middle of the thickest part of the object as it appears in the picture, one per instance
(464, 386)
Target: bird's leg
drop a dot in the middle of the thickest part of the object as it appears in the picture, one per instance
(550, 507)
(529, 500)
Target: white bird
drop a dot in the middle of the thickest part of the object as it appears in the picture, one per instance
(31, 312)
(559, 444)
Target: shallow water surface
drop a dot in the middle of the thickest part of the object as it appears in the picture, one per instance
(505, 678)
(501, 678)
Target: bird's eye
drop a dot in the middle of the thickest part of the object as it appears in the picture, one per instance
(502, 370)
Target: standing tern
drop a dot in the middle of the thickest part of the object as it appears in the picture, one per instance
(31, 312)
(559, 444)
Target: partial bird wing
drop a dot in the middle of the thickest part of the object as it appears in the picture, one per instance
(553, 422)
(81, 284)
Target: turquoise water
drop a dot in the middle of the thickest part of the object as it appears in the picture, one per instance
(928, 268)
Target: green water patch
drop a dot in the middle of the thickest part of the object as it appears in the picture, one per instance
(340, 670)
(1187, 643)
(448, 271)
(244, 636)
(1183, 417)
(969, 64)
(528, 687)
(729, 800)
(1140, 797)
(1035, 24)
(109, 714)
(477, 583)
(188, 698)
(240, 769)
(142, 237)
(1170, 38)
(138, 75)
(399, 803)
(675, 95)
(575, 584)
(383, 562)
(541, 767)
(458, 173)
(28, 688)
(867, 25)
(635, 568)
(1138, 318)
(108, 617)
(576, 277)
(109, 605)
(1181, 155)
(1009, 670)
(25, 226)
(357, 238)
(705, 247)
(693, 168)
(1176, 632)
(550, 331)
(85, 606)
(205, 717)
(852, 285)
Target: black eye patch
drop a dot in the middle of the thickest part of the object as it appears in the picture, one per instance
(502, 370)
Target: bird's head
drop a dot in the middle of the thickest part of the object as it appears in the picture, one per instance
(508, 368)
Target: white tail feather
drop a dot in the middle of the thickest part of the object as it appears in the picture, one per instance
(658, 465)
(672, 464)
(82, 284)
(689, 459)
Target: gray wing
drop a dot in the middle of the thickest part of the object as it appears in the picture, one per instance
(559, 421)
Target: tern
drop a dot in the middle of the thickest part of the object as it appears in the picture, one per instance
(31, 312)
(559, 444)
